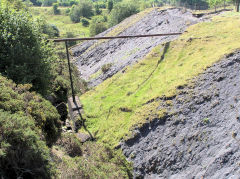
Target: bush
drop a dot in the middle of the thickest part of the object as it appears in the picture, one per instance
(106, 67)
(67, 11)
(84, 9)
(22, 153)
(85, 22)
(48, 2)
(97, 10)
(97, 25)
(75, 14)
(110, 5)
(55, 9)
(122, 11)
(71, 35)
(71, 145)
(97, 161)
(50, 30)
(102, 5)
(17, 99)
(25, 56)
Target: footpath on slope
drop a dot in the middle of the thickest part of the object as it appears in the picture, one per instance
(118, 53)
(199, 135)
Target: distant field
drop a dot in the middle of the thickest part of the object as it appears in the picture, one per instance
(62, 21)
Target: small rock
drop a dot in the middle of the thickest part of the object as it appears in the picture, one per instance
(83, 137)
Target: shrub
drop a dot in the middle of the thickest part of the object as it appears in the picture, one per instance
(83, 9)
(50, 30)
(97, 161)
(102, 5)
(97, 9)
(84, 22)
(67, 11)
(25, 56)
(75, 14)
(110, 5)
(48, 2)
(71, 145)
(97, 25)
(106, 67)
(22, 153)
(122, 11)
(55, 9)
(17, 99)
(71, 35)
(72, 2)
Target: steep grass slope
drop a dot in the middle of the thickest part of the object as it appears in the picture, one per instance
(100, 60)
(122, 103)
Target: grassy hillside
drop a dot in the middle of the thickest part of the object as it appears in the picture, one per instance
(62, 21)
(122, 102)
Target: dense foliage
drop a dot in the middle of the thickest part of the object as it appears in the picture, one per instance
(22, 152)
(83, 9)
(17, 99)
(27, 123)
(98, 25)
(25, 56)
(55, 8)
(122, 11)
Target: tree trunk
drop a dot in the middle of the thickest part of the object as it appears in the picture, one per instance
(237, 5)
(224, 4)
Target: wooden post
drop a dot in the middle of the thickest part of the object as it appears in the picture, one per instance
(70, 72)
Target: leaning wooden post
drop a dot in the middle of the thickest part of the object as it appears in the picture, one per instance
(70, 72)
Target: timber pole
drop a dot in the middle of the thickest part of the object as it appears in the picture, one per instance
(115, 37)
(70, 72)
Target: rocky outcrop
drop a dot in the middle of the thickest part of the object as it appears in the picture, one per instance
(199, 136)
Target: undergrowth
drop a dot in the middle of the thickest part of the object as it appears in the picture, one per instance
(93, 160)
(202, 45)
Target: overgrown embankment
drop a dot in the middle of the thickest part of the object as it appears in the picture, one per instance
(126, 101)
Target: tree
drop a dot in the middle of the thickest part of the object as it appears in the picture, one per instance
(84, 9)
(55, 9)
(110, 6)
(25, 56)
(237, 5)
(122, 11)
(214, 3)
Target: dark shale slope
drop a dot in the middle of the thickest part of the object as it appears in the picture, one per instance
(118, 53)
(199, 135)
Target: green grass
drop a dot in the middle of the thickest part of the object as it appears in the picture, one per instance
(62, 21)
(197, 49)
